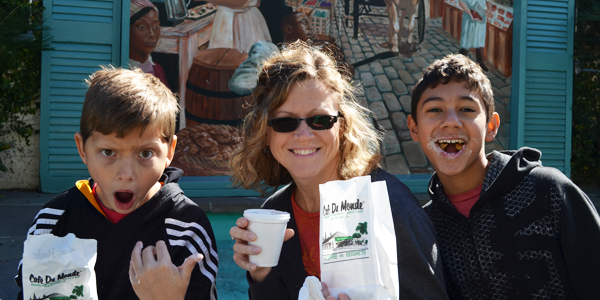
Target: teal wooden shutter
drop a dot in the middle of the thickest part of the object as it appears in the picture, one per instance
(87, 34)
(542, 87)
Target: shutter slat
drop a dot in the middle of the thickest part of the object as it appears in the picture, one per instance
(543, 86)
(61, 136)
(544, 21)
(68, 166)
(545, 92)
(548, 3)
(82, 11)
(67, 92)
(543, 145)
(62, 143)
(546, 110)
(64, 121)
(547, 12)
(65, 114)
(66, 106)
(67, 76)
(549, 33)
(73, 47)
(63, 151)
(532, 135)
(65, 159)
(66, 17)
(66, 99)
(555, 104)
(532, 121)
(555, 80)
(549, 98)
(74, 70)
(81, 174)
(70, 129)
(82, 55)
(79, 3)
(556, 128)
(79, 62)
(535, 74)
(68, 84)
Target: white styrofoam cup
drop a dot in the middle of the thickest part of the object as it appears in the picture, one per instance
(269, 227)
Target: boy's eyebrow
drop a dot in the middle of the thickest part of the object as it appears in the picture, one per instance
(437, 98)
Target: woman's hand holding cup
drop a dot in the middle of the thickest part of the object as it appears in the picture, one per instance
(242, 250)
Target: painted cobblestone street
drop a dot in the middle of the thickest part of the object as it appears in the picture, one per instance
(387, 84)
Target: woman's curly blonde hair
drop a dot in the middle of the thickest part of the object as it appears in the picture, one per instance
(360, 153)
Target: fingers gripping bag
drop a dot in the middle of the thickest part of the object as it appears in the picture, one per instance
(59, 267)
(357, 240)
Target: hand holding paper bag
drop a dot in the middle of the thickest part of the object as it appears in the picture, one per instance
(313, 289)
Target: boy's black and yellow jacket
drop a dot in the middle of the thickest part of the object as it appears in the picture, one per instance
(169, 216)
(532, 234)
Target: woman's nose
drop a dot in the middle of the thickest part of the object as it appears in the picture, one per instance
(303, 131)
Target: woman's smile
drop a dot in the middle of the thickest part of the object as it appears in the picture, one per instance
(304, 152)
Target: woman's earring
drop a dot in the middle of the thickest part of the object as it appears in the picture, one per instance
(267, 150)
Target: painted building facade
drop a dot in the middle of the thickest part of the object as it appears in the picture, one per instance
(526, 47)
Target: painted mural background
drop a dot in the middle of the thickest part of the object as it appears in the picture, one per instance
(195, 47)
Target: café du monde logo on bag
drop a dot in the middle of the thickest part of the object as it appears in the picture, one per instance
(349, 237)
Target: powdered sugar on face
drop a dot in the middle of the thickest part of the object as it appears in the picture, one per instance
(433, 145)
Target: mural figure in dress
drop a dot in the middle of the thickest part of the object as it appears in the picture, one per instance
(475, 14)
(144, 36)
(238, 24)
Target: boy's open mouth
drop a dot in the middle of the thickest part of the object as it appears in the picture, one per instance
(451, 146)
(124, 200)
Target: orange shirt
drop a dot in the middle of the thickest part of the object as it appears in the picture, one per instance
(308, 232)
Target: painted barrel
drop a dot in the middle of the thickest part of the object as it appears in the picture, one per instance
(208, 99)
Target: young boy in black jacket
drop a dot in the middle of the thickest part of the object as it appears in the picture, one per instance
(507, 227)
(132, 199)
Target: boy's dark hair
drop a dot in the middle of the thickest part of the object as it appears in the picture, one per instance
(454, 68)
(121, 100)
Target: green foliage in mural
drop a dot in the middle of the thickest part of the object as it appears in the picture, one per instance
(585, 158)
(22, 39)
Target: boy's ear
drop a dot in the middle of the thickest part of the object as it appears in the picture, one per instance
(80, 146)
(492, 127)
(414, 129)
(171, 151)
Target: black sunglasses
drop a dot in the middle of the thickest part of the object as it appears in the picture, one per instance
(289, 124)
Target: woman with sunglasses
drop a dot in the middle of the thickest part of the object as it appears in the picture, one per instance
(306, 128)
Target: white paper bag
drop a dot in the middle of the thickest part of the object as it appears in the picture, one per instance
(59, 267)
(357, 240)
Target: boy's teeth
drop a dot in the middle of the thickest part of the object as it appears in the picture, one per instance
(451, 142)
(304, 152)
(443, 146)
(459, 146)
